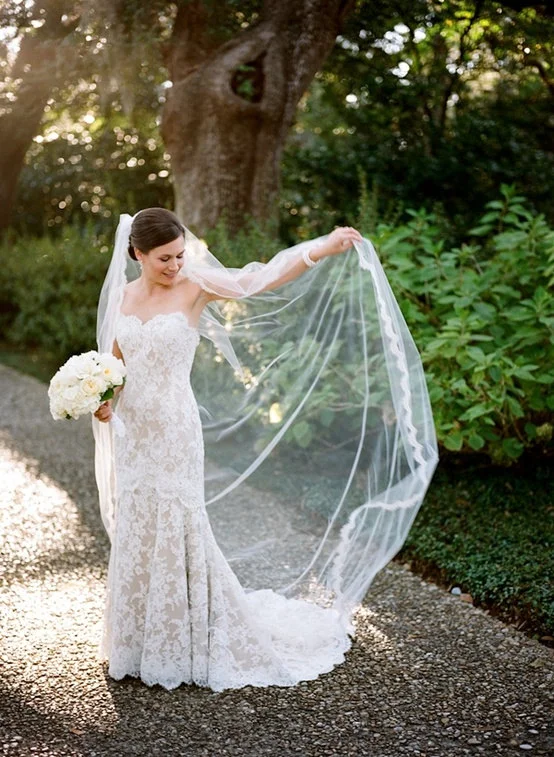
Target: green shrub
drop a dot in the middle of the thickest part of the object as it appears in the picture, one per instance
(49, 291)
(483, 319)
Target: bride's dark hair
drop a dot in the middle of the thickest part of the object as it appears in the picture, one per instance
(153, 227)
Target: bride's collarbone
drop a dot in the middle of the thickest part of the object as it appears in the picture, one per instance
(146, 310)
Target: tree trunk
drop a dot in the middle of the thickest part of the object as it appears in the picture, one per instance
(231, 105)
(40, 65)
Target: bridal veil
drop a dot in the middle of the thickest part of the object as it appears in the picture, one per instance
(315, 412)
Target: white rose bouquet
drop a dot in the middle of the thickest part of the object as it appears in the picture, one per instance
(83, 383)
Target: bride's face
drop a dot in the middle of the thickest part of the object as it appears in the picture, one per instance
(162, 264)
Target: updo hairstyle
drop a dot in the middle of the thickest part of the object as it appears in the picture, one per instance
(153, 227)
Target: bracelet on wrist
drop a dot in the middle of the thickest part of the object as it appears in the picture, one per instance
(307, 259)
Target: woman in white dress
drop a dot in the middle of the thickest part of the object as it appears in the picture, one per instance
(175, 611)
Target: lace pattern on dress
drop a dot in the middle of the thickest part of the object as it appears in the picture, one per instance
(175, 612)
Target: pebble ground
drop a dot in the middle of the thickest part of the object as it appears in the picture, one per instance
(428, 674)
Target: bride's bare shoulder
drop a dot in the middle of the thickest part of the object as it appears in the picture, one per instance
(190, 288)
(129, 293)
(130, 285)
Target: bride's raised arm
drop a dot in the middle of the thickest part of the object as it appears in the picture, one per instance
(256, 277)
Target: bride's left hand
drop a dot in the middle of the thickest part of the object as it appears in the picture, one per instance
(340, 240)
(104, 412)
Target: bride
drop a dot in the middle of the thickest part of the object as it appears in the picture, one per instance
(175, 610)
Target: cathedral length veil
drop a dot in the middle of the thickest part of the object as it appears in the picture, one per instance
(319, 437)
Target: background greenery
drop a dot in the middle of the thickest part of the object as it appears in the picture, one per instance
(490, 532)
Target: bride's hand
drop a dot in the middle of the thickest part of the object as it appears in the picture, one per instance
(104, 412)
(339, 240)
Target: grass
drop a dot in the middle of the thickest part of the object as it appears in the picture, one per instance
(489, 531)
(36, 362)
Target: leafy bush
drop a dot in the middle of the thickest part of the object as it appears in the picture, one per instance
(483, 319)
(49, 291)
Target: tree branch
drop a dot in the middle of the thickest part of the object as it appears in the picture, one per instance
(455, 76)
(543, 72)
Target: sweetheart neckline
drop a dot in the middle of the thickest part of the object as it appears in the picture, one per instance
(159, 315)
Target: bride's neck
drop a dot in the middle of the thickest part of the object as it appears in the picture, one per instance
(150, 287)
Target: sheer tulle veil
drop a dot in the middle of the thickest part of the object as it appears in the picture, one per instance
(315, 413)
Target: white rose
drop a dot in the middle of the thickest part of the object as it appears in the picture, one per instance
(83, 401)
(70, 393)
(57, 409)
(90, 405)
(66, 380)
(56, 383)
(91, 386)
(67, 377)
(112, 369)
(104, 382)
(88, 366)
(70, 367)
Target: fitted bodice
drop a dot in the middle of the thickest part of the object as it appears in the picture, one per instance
(163, 440)
(159, 349)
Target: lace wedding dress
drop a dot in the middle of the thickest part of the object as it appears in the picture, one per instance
(175, 612)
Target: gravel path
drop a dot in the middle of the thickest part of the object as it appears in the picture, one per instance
(428, 674)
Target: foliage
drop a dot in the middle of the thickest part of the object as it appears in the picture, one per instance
(253, 242)
(491, 532)
(483, 318)
(436, 103)
(49, 286)
(119, 169)
(49, 289)
(479, 313)
(37, 362)
(98, 151)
